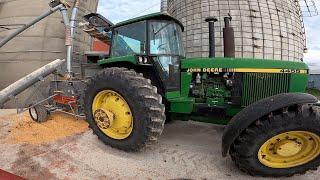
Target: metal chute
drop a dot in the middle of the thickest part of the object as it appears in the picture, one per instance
(98, 27)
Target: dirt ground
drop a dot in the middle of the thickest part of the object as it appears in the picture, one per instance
(186, 150)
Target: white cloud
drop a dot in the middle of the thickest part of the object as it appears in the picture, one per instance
(312, 29)
(312, 57)
(120, 10)
(313, 40)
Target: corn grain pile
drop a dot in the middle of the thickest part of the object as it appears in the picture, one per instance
(59, 125)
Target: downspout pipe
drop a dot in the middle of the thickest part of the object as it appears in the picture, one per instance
(70, 25)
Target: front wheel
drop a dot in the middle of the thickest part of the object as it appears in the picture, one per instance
(123, 109)
(39, 113)
(283, 143)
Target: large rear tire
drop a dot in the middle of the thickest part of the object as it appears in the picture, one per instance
(283, 143)
(123, 109)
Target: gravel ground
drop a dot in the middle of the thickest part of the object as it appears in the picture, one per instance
(186, 150)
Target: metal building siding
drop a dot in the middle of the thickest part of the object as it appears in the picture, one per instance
(264, 29)
(314, 81)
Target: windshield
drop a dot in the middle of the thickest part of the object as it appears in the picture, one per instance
(165, 38)
(129, 40)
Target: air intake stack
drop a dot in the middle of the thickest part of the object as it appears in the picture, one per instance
(212, 41)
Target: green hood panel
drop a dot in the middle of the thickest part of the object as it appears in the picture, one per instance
(240, 63)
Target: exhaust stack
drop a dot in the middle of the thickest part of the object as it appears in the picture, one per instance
(228, 38)
(212, 41)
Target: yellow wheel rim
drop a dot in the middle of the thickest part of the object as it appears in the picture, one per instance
(112, 114)
(290, 149)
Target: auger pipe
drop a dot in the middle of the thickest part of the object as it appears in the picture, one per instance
(27, 81)
(28, 25)
(69, 40)
(73, 20)
(70, 32)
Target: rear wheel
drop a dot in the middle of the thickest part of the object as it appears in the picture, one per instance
(283, 143)
(123, 109)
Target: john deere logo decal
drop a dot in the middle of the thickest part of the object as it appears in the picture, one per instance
(246, 70)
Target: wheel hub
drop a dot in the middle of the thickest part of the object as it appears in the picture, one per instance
(290, 149)
(112, 114)
(104, 118)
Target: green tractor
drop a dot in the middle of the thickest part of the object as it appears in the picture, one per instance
(272, 126)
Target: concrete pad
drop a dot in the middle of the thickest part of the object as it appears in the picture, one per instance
(6, 112)
(187, 150)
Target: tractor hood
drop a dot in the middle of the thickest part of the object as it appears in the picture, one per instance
(243, 65)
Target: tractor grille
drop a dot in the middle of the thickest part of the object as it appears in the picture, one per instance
(257, 86)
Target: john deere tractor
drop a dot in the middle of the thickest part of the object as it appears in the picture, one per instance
(272, 126)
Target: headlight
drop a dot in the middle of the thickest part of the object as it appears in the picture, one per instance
(145, 61)
(140, 59)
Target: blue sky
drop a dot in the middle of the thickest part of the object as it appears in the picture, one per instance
(313, 40)
(119, 10)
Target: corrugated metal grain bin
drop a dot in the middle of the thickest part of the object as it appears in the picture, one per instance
(263, 29)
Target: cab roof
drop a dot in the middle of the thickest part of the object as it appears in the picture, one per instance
(154, 16)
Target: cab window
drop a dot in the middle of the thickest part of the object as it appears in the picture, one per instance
(129, 40)
(166, 38)
(169, 69)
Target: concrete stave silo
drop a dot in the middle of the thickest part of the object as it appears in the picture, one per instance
(42, 43)
(263, 29)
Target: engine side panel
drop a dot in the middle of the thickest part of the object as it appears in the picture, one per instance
(213, 87)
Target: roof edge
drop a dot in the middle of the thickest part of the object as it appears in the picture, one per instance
(160, 15)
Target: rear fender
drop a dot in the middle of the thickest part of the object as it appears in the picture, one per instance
(258, 109)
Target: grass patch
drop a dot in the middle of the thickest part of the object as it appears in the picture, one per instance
(315, 92)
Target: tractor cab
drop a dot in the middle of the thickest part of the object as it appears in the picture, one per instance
(154, 40)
